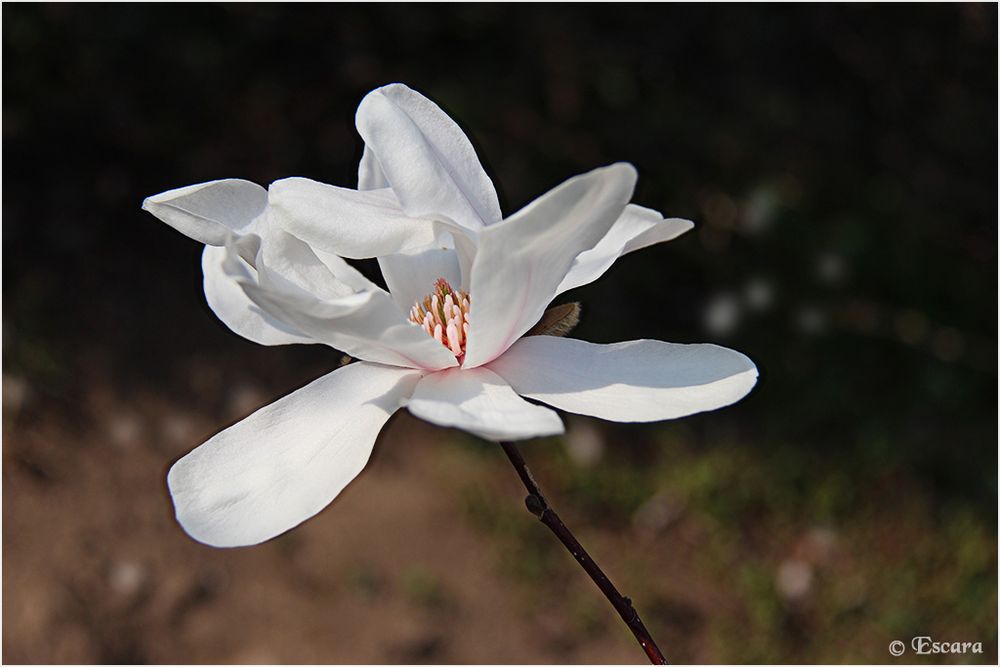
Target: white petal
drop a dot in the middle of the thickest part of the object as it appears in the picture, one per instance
(366, 324)
(636, 228)
(465, 248)
(290, 261)
(347, 222)
(287, 461)
(480, 402)
(424, 156)
(664, 229)
(343, 271)
(207, 212)
(637, 381)
(370, 175)
(520, 262)
(411, 276)
(406, 272)
(231, 304)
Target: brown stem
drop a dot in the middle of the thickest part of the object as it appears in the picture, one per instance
(536, 505)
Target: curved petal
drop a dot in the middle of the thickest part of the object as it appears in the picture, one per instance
(208, 212)
(288, 460)
(347, 222)
(424, 157)
(637, 381)
(366, 324)
(480, 402)
(230, 303)
(343, 271)
(410, 276)
(520, 262)
(636, 228)
(370, 174)
(288, 261)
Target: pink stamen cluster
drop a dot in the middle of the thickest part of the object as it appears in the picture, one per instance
(444, 315)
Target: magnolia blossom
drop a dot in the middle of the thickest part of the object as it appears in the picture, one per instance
(447, 340)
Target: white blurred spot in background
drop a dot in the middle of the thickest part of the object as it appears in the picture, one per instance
(811, 320)
(584, 442)
(722, 314)
(126, 577)
(759, 294)
(831, 268)
(15, 393)
(796, 575)
(794, 579)
(125, 429)
(178, 429)
(243, 399)
(758, 212)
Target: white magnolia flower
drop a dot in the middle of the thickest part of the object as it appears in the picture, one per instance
(446, 340)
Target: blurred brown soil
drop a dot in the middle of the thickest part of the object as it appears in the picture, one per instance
(430, 556)
(97, 571)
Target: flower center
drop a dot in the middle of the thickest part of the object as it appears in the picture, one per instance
(444, 315)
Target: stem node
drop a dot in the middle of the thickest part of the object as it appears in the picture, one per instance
(535, 505)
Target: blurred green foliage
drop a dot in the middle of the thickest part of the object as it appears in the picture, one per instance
(813, 566)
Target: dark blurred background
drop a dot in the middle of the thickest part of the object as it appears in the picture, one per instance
(839, 164)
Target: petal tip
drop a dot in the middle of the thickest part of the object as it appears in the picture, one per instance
(391, 88)
(626, 170)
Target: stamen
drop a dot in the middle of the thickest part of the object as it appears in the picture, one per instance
(444, 315)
